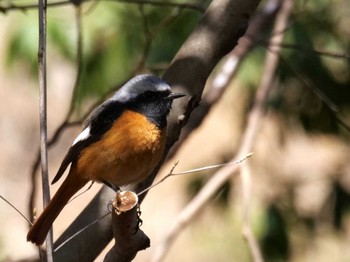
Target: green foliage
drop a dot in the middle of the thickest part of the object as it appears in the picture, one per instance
(118, 38)
(23, 43)
(274, 241)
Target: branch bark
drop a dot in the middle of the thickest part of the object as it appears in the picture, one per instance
(43, 117)
(129, 238)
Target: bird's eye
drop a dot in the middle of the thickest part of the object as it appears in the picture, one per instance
(152, 96)
(148, 95)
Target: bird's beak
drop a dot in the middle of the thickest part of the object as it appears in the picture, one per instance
(173, 96)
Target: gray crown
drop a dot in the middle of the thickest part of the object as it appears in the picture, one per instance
(138, 85)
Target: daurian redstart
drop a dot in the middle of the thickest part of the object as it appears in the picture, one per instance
(122, 142)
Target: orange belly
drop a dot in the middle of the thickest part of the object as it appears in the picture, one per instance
(126, 154)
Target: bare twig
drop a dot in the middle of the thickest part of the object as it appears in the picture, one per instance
(66, 122)
(326, 53)
(81, 230)
(16, 209)
(201, 169)
(43, 117)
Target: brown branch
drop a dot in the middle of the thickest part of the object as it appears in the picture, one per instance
(66, 122)
(129, 238)
(43, 116)
(127, 242)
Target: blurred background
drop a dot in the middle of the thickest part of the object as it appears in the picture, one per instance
(301, 162)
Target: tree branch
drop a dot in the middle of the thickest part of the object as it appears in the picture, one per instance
(129, 238)
(66, 122)
(43, 117)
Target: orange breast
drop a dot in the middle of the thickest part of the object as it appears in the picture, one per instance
(126, 154)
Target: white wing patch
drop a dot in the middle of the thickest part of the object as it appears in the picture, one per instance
(83, 135)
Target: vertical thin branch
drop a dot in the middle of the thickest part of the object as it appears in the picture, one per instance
(66, 122)
(255, 118)
(43, 116)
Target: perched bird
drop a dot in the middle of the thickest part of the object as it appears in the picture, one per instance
(122, 142)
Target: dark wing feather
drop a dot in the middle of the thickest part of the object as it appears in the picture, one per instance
(99, 121)
(72, 155)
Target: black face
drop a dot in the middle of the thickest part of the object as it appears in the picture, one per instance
(153, 105)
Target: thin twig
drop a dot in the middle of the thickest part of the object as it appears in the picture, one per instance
(16, 209)
(160, 181)
(82, 193)
(326, 53)
(65, 124)
(81, 230)
(196, 170)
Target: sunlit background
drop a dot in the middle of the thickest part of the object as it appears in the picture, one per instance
(301, 164)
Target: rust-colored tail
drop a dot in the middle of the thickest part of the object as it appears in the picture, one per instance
(42, 225)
